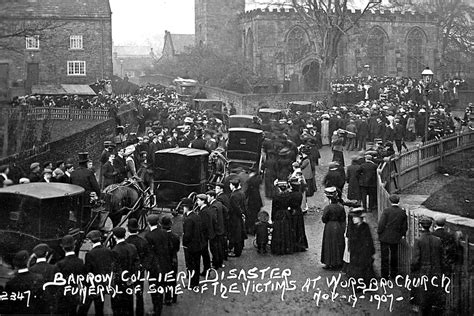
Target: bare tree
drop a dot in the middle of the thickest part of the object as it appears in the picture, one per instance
(12, 31)
(327, 22)
(454, 19)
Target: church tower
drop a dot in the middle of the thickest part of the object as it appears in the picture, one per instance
(216, 24)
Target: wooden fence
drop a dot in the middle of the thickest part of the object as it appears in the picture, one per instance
(406, 170)
(66, 113)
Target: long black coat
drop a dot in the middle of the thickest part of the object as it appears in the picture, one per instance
(85, 178)
(192, 239)
(361, 248)
(334, 218)
(99, 260)
(283, 235)
(159, 242)
(334, 178)
(352, 178)
(237, 209)
(120, 167)
(271, 167)
(143, 249)
(70, 265)
(393, 225)
(126, 259)
(368, 174)
(22, 282)
(297, 221)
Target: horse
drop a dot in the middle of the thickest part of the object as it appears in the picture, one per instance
(120, 199)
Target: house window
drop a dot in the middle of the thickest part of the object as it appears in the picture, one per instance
(75, 42)
(376, 43)
(32, 42)
(415, 58)
(76, 68)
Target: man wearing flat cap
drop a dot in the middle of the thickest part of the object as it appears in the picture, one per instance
(427, 261)
(237, 213)
(126, 259)
(25, 280)
(99, 260)
(69, 265)
(391, 229)
(35, 172)
(209, 222)
(47, 271)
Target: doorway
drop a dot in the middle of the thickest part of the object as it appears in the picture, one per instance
(311, 76)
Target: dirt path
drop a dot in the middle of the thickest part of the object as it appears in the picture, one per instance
(299, 301)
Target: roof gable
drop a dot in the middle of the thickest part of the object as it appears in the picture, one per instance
(56, 8)
(182, 42)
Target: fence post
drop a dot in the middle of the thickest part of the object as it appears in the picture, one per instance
(418, 161)
(441, 155)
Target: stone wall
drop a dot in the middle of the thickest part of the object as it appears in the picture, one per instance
(90, 140)
(465, 97)
(244, 103)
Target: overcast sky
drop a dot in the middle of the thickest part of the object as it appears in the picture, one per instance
(143, 22)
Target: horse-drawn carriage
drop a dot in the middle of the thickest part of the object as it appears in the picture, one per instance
(244, 148)
(178, 172)
(37, 213)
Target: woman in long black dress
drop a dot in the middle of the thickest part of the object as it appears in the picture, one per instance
(361, 248)
(334, 218)
(297, 223)
(282, 235)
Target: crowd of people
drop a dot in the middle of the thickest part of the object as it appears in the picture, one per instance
(217, 223)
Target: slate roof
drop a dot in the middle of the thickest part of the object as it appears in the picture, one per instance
(181, 42)
(55, 8)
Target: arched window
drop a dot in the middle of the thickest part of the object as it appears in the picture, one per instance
(415, 58)
(376, 48)
(297, 44)
(249, 48)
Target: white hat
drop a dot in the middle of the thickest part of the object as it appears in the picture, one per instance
(422, 111)
(188, 120)
(129, 150)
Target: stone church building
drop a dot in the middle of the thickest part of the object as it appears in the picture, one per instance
(276, 45)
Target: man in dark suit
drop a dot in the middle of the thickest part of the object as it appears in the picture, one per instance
(120, 166)
(368, 183)
(216, 243)
(35, 172)
(362, 133)
(85, 178)
(166, 223)
(448, 243)
(391, 229)
(69, 265)
(427, 261)
(23, 281)
(199, 142)
(160, 262)
(237, 213)
(66, 177)
(398, 135)
(208, 222)
(143, 249)
(99, 260)
(224, 200)
(108, 172)
(47, 271)
(192, 241)
(126, 259)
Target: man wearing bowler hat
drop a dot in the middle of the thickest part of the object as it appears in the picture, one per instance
(199, 142)
(143, 249)
(69, 265)
(85, 178)
(126, 259)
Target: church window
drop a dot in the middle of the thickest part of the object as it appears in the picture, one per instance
(297, 44)
(376, 49)
(415, 58)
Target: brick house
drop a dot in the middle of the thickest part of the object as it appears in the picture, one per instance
(175, 45)
(59, 42)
